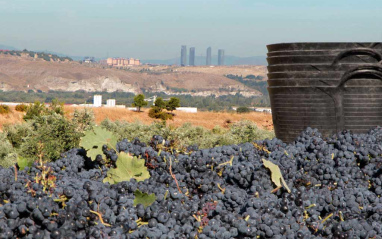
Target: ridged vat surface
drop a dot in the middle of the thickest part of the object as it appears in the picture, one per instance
(329, 86)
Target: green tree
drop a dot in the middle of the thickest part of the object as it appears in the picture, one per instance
(139, 101)
(160, 103)
(172, 104)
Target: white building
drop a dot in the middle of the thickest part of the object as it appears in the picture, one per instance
(110, 103)
(97, 102)
(188, 109)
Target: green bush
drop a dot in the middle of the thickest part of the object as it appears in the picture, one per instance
(21, 107)
(247, 131)
(56, 133)
(17, 132)
(83, 119)
(56, 107)
(36, 109)
(156, 112)
(243, 109)
(187, 134)
(136, 129)
(8, 155)
(49, 127)
(4, 109)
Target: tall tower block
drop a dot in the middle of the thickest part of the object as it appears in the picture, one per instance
(221, 57)
(192, 56)
(208, 58)
(183, 56)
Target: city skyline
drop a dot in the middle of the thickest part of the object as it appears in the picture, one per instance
(192, 54)
(150, 29)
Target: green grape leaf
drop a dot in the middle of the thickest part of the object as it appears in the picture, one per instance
(276, 176)
(94, 139)
(128, 167)
(24, 162)
(143, 198)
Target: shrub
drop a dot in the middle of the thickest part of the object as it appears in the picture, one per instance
(247, 131)
(4, 109)
(136, 129)
(243, 109)
(38, 109)
(56, 107)
(35, 110)
(17, 132)
(21, 107)
(157, 113)
(83, 119)
(55, 132)
(187, 134)
(8, 156)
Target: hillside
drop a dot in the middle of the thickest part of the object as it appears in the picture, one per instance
(211, 70)
(25, 73)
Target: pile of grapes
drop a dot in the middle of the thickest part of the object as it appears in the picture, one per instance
(333, 190)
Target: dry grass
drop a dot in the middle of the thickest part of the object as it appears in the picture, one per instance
(11, 118)
(206, 119)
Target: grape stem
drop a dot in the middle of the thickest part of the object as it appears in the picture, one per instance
(276, 189)
(100, 218)
(221, 189)
(173, 176)
(15, 172)
(228, 162)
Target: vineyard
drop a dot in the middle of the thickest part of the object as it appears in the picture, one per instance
(112, 184)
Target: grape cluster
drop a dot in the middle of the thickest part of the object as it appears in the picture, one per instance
(223, 192)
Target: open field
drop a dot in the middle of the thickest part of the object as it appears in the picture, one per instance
(206, 119)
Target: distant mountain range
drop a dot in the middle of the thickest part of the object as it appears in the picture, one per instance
(201, 61)
(4, 47)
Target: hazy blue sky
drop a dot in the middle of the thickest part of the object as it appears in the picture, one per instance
(155, 29)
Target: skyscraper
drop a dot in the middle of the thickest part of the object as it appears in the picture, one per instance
(183, 56)
(192, 56)
(208, 58)
(221, 57)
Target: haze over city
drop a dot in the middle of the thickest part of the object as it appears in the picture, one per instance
(152, 29)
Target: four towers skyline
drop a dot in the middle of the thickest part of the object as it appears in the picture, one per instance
(191, 61)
